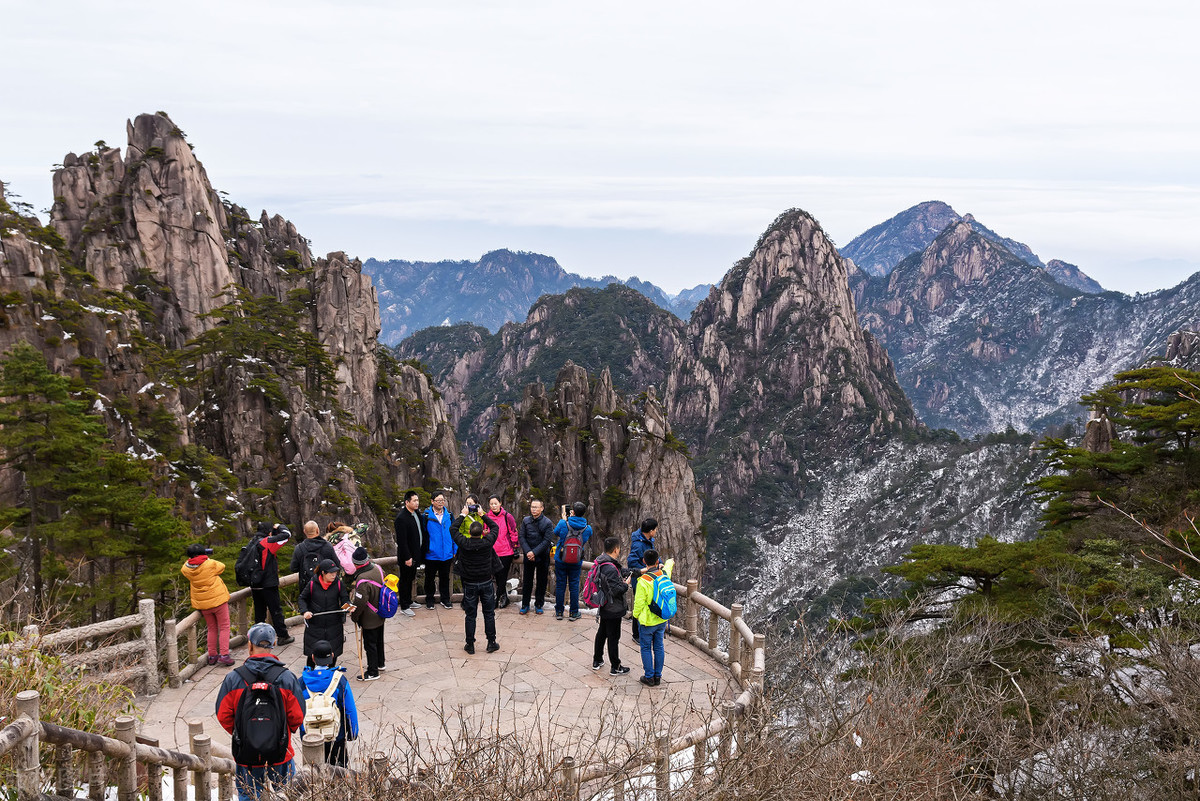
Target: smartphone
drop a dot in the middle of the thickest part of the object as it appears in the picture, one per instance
(564, 510)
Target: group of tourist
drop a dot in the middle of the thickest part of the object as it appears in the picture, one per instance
(479, 544)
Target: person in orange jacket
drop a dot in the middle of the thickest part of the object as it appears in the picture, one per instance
(211, 597)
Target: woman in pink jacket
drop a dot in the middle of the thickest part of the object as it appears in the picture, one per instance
(506, 546)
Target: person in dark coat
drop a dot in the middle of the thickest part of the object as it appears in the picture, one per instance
(477, 562)
(269, 539)
(321, 600)
(535, 535)
(309, 552)
(412, 541)
(613, 581)
(367, 580)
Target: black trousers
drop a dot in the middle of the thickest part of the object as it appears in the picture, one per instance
(373, 650)
(608, 631)
(473, 595)
(266, 599)
(502, 580)
(636, 629)
(541, 568)
(404, 590)
(441, 570)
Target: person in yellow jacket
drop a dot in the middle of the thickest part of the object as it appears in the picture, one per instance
(211, 597)
(651, 627)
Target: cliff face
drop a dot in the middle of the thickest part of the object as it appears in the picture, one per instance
(581, 441)
(776, 374)
(263, 356)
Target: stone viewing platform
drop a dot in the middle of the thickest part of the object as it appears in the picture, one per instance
(541, 679)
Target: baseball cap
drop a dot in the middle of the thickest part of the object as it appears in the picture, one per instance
(322, 653)
(327, 566)
(262, 635)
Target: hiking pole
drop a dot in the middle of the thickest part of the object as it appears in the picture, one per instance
(358, 639)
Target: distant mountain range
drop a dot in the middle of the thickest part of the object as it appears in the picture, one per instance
(501, 287)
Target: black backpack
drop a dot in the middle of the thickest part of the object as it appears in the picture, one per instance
(248, 569)
(310, 562)
(260, 730)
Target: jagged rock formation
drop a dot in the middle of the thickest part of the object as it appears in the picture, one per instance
(225, 331)
(499, 288)
(983, 340)
(615, 328)
(582, 441)
(1182, 351)
(880, 248)
(1100, 433)
(776, 375)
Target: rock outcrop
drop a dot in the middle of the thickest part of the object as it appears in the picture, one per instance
(581, 441)
(227, 332)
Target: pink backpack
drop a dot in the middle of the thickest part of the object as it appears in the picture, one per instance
(345, 554)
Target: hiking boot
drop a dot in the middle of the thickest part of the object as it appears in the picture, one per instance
(618, 671)
(286, 639)
(597, 664)
(649, 682)
(524, 610)
(540, 611)
(558, 615)
(493, 647)
(225, 660)
(574, 617)
(657, 680)
(469, 648)
(212, 659)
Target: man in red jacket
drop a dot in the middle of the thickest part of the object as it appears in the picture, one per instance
(262, 675)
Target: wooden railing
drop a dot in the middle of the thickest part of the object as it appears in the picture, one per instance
(706, 624)
(143, 648)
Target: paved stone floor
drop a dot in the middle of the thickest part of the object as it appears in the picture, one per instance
(540, 685)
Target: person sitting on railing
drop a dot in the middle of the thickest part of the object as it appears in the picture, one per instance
(211, 597)
(248, 706)
(322, 601)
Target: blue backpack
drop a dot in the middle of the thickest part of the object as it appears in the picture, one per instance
(663, 601)
(389, 602)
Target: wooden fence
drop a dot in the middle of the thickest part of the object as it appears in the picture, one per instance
(707, 624)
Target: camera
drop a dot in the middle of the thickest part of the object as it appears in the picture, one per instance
(208, 551)
(472, 508)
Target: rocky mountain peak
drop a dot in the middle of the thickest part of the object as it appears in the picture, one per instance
(1071, 276)
(880, 248)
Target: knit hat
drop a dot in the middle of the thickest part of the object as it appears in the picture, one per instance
(262, 635)
(360, 556)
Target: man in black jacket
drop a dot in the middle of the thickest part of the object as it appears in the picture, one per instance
(412, 541)
(477, 561)
(535, 535)
(265, 593)
(310, 552)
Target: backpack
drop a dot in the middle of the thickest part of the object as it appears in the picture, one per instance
(322, 716)
(572, 551)
(663, 602)
(311, 561)
(260, 728)
(248, 569)
(389, 602)
(345, 554)
(593, 592)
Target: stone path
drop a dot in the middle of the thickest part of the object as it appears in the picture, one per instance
(540, 685)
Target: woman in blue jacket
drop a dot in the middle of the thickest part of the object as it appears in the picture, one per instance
(441, 550)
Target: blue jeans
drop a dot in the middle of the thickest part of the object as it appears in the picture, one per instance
(252, 780)
(651, 640)
(566, 576)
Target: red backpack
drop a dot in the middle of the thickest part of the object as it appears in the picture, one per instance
(572, 550)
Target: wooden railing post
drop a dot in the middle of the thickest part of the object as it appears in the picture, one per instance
(192, 649)
(180, 780)
(202, 747)
(154, 774)
(735, 639)
(225, 786)
(29, 770)
(127, 769)
(150, 640)
(377, 770)
(64, 771)
(313, 746)
(725, 743)
(618, 788)
(714, 630)
(97, 776)
(662, 766)
(570, 777)
(243, 617)
(693, 587)
(172, 648)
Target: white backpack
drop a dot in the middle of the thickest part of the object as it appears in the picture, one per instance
(321, 715)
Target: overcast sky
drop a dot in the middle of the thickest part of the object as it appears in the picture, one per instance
(656, 139)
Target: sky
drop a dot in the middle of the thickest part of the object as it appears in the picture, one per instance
(657, 139)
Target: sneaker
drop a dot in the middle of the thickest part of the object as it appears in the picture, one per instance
(524, 610)
(212, 659)
(574, 617)
(558, 615)
(539, 611)
(447, 605)
(429, 607)
(225, 660)
(409, 612)
(493, 647)
(469, 648)
(597, 664)
(619, 671)
(286, 640)
(367, 677)
(382, 668)
(657, 680)
(649, 682)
